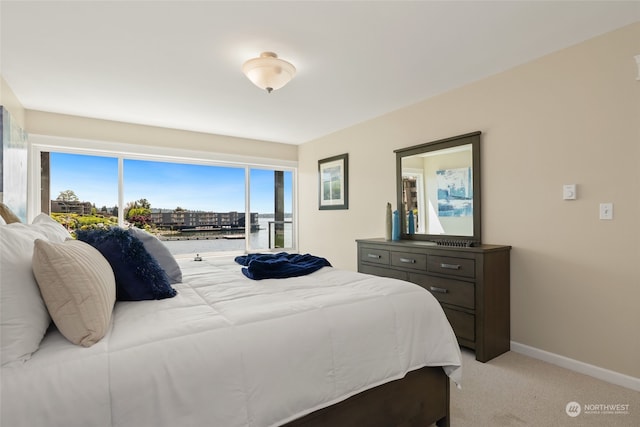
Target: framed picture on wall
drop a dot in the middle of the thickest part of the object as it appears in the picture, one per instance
(333, 178)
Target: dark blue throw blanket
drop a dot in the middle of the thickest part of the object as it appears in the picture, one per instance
(280, 265)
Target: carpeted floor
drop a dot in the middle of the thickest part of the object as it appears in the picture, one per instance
(516, 390)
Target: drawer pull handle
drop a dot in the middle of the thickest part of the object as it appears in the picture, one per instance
(408, 260)
(450, 266)
(374, 256)
(438, 290)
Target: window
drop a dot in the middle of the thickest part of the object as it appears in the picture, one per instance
(83, 190)
(271, 196)
(193, 206)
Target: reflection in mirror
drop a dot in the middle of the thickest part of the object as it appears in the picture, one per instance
(448, 199)
(438, 190)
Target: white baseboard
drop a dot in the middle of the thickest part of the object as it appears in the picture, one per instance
(607, 375)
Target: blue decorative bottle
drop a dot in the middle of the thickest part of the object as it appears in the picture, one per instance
(396, 225)
(412, 226)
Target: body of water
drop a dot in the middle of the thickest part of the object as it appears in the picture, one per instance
(258, 240)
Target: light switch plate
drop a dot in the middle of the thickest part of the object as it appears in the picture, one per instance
(569, 192)
(606, 210)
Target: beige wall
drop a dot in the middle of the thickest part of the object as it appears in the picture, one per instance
(60, 125)
(572, 117)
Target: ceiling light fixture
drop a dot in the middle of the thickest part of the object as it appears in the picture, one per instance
(269, 72)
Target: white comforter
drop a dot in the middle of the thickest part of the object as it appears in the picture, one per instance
(229, 351)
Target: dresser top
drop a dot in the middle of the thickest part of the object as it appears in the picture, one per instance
(421, 244)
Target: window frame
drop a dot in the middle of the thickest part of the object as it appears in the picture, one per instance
(122, 151)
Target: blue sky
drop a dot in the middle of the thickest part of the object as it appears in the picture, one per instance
(165, 185)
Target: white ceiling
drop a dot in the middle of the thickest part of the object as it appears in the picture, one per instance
(177, 64)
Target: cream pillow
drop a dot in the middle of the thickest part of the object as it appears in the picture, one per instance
(23, 315)
(78, 288)
(52, 229)
(6, 214)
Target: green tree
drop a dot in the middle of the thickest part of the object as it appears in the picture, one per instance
(67, 196)
(139, 213)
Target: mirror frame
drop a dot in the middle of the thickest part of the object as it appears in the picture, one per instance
(445, 239)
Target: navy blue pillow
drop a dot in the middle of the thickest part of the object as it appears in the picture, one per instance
(138, 275)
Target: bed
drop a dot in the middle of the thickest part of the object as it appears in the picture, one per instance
(332, 347)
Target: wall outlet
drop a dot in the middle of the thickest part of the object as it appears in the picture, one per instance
(606, 210)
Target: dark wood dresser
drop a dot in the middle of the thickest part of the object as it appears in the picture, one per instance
(472, 285)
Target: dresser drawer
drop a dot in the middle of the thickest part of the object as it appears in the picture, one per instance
(463, 324)
(463, 267)
(448, 291)
(377, 256)
(409, 260)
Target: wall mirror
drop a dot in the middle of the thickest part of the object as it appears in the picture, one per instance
(438, 191)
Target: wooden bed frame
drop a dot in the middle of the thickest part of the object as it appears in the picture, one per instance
(420, 399)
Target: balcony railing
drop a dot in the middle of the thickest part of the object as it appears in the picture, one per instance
(280, 234)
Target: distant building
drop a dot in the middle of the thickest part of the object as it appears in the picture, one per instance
(200, 219)
(75, 207)
(168, 218)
